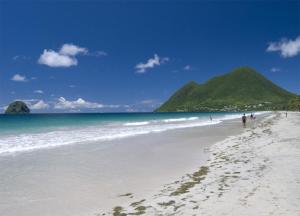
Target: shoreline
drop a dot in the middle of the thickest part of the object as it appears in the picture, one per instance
(83, 179)
(243, 176)
(34, 136)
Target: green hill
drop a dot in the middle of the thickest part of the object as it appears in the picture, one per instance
(241, 89)
(294, 104)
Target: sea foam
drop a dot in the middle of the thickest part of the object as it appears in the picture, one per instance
(98, 133)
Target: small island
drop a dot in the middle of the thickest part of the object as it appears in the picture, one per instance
(17, 107)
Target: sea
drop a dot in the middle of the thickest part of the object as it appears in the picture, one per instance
(21, 133)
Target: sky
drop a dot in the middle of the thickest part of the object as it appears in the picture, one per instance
(130, 56)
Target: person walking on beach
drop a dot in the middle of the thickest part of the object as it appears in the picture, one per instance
(286, 114)
(210, 118)
(244, 120)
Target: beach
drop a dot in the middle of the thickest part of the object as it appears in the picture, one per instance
(92, 177)
(254, 173)
(151, 107)
(217, 169)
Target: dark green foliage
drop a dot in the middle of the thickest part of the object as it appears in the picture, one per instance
(294, 104)
(241, 89)
(17, 107)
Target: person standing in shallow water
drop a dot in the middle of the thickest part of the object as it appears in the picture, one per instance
(244, 119)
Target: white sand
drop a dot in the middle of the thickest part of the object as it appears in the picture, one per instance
(255, 173)
(84, 179)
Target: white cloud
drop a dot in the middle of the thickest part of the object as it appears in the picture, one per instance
(164, 59)
(63, 104)
(148, 101)
(39, 91)
(35, 104)
(19, 78)
(72, 50)
(98, 53)
(274, 69)
(145, 105)
(187, 67)
(151, 63)
(55, 59)
(27, 101)
(287, 48)
(131, 110)
(77, 104)
(39, 105)
(3, 107)
(80, 103)
(21, 57)
(101, 53)
(65, 57)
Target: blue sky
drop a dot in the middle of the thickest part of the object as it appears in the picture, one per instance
(99, 56)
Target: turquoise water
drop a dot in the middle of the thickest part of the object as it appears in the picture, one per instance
(41, 122)
(20, 133)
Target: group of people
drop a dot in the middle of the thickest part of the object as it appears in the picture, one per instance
(244, 118)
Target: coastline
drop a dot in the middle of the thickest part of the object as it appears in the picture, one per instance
(86, 179)
(150, 108)
(254, 173)
(38, 132)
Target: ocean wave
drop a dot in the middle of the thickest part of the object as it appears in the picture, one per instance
(67, 136)
(136, 123)
(33, 141)
(180, 119)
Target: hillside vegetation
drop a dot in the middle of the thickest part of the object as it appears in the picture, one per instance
(294, 104)
(241, 89)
